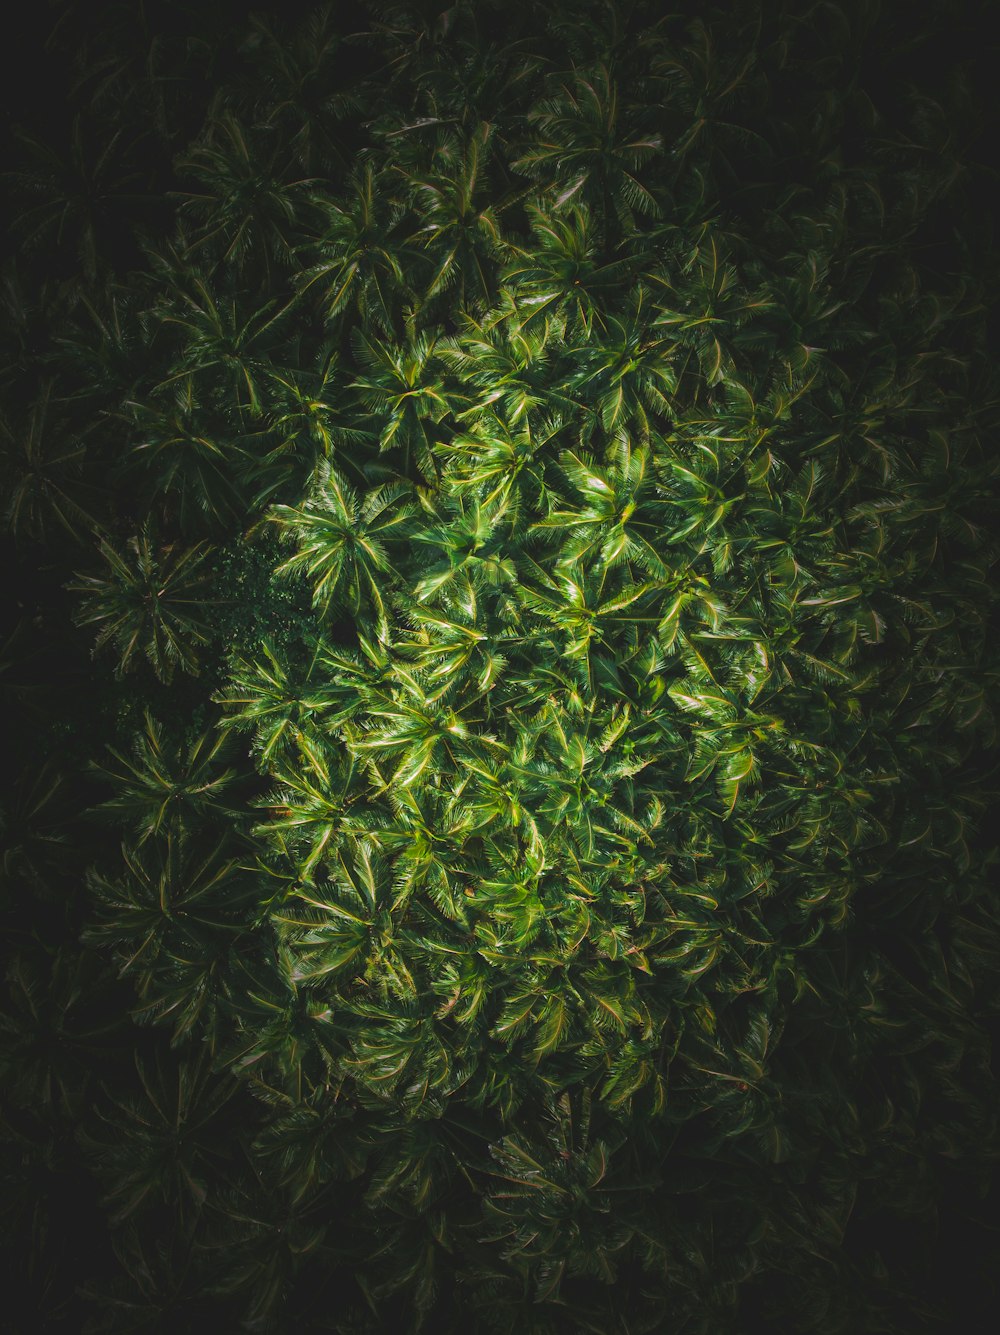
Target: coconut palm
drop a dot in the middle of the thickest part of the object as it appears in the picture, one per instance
(52, 1042)
(629, 376)
(288, 705)
(106, 347)
(713, 305)
(590, 148)
(361, 254)
(400, 387)
(348, 922)
(561, 1178)
(165, 783)
(245, 211)
(44, 478)
(707, 83)
(178, 921)
(460, 227)
(33, 826)
(342, 544)
(147, 599)
(499, 463)
(217, 336)
(297, 86)
(160, 1134)
(302, 427)
(507, 365)
(561, 274)
(82, 200)
(182, 461)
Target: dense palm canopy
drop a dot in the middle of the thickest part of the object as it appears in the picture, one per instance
(503, 678)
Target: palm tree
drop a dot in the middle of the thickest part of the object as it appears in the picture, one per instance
(33, 826)
(164, 783)
(219, 340)
(620, 523)
(183, 463)
(246, 209)
(161, 1135)
(707, 80)
(290, 706)
(342, 544)
(303, 425)
(44, 479)
(348, 922)
(147, 600)
(52, 1042)
(466, 543)
(179, 920)
(106, 348)
(507, 365)
(361, 255)
(268, 1237)
(713, 305)
(629, 376)
(590, 148)
(460, 229)
(561, 274)
(556, 1183)
(81, 201)
(297, 87)
(402, 392)
(503, 465)
(143, 69)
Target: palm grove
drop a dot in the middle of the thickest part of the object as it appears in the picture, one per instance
(500, 675)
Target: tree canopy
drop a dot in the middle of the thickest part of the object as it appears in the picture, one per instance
(499, 832)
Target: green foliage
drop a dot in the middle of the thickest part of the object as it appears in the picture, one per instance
(145, 601)
(41, 473)
(162, 784)
(555, 891)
